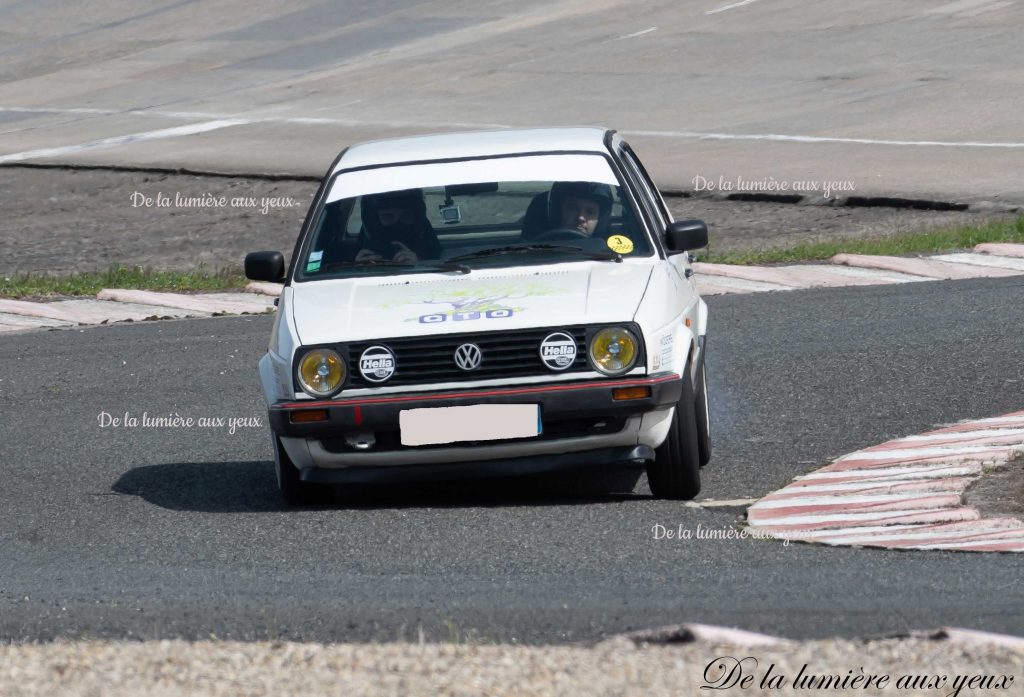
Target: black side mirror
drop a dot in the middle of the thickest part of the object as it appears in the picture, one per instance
(684, 235)
(264, 266)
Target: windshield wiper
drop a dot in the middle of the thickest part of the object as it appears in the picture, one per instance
(517, 248)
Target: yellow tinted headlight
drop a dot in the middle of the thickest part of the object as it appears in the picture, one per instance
(614, 350)
(321, 372)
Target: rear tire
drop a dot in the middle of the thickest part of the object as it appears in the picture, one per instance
(675, 471)
(294, 491)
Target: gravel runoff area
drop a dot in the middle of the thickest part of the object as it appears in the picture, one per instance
(70, 220)
(614, 667)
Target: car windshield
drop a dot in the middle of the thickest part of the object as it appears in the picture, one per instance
(509, 211)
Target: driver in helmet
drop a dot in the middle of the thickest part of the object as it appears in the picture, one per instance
(581, 206)
(395, 228)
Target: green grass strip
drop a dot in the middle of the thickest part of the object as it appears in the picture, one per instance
(931, 242)
(200, 280)
(203, 279)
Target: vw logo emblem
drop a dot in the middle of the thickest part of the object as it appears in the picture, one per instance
(468, 357)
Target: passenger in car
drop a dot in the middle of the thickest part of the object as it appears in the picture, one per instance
(396, 228)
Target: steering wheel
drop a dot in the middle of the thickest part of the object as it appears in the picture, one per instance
(562, 233)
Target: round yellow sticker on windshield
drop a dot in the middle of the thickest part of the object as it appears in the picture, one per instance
(620, 244)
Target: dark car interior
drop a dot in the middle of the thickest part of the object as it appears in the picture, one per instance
(468, 218)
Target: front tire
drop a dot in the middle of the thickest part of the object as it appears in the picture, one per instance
(294, 491)
(703, 418)
(675, 471)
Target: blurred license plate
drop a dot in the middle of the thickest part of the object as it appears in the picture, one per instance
(461, 424)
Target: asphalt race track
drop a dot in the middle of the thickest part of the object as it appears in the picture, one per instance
(163, 532)
(140, 532)
(915, 98)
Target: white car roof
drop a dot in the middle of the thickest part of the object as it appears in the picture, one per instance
(472, 144)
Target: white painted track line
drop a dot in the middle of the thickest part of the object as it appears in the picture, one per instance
(173, 132)
(784, 138)
(266, 117)
(733, 6)
(639, 33)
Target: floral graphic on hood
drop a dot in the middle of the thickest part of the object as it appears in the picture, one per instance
(480, 302)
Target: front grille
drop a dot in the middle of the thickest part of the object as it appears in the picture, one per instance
(431, 359)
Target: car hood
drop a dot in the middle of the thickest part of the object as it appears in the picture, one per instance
(356, 309)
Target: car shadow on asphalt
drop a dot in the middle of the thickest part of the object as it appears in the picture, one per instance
(248, 487)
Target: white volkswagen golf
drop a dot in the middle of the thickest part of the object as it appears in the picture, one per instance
(481, 304)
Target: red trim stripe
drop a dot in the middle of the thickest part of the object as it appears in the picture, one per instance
(488, 393)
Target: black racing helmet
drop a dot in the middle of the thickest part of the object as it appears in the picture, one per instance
(595, 191)
(407, 199)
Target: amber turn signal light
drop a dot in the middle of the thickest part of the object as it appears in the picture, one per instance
(621, 393)
(308, 416)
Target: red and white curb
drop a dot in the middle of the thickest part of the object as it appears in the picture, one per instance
(903, 494)
(113, 305)
(991, 260)
(712, 634)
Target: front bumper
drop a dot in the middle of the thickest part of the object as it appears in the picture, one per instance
(576, 416)
(559, 401)
(513, 466)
